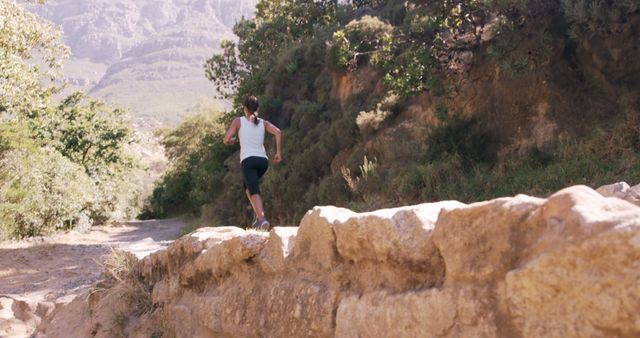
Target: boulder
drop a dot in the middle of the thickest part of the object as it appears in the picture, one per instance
(587, 289)
(480, 242)
(621, 190)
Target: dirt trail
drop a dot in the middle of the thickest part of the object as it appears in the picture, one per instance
(55, 269)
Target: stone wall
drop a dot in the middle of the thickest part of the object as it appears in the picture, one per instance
(566, 266)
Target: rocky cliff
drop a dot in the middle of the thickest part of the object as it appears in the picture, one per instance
(565, 266)
(145, 55)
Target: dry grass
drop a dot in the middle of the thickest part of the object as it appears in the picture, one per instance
(122, 271)
(119, 266)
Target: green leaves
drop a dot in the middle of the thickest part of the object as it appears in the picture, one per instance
(41, 191)
(225, 70)
(86, 131)
(277, 25)
(61, 166)
(593, 16)
(197, 157)
(361, 40)
(25, 42)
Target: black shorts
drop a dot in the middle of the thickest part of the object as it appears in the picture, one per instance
(252, 169)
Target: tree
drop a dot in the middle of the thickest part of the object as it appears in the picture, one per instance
(26, 39)
(197, 156)
(61, 165)
(42, 191)
(88, 132)
(240, 68)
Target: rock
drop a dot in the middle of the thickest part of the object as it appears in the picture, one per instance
(315, 248)
(621, 190)
(588, 289)
(402, 235)
(575, 214)
(480, 242)
(391, 248)
(280, 243)
(463, 312)
(305, 307)
(16, 318)
(217, 260)
(611, 190)
(566, 266)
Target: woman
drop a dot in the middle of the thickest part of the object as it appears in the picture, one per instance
(253, 156)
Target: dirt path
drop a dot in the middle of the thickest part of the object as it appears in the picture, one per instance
(55, 269)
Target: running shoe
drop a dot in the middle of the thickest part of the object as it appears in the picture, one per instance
(264, 225)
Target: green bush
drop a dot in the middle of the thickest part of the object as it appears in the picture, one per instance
(359, 40)
(595, 16)
(370, 121)
(63, 165)
(42, 191)
(197, 171)
(463, 137)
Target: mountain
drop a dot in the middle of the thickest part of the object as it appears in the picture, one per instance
(145, 55)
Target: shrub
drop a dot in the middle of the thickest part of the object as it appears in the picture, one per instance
(414, 71)
(367, 170)
(42, 191)
(464, 137)
(358, 40)
(197, 169)
(370, 121)
(118, 197)
(122, 271)
(595, 16)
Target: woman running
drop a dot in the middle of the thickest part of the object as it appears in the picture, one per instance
(253, 156)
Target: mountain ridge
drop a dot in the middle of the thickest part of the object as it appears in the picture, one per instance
(146, 56)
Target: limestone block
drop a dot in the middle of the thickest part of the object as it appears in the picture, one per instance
(621, 190)
(586, 290)
(402, 235)
(577, 213)
(479, 243)
(315, 245)
(221, 257)
(451, 312)
(278, 247)
(276, 308)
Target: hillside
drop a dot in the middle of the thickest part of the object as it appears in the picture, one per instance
(390, 103)
(147, 56)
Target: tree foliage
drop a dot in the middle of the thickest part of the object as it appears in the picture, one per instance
(594, 16)
(296, 56)
(26, 39)
(196, 171)
(62, 165)
(88, 132)
(42, 191)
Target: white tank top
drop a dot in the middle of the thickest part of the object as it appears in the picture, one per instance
(251, 137)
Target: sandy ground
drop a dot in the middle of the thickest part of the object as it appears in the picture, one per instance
(57, 268)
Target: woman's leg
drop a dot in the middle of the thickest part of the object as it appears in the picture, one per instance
(258, 208)
(261, 168)
(252, 171)
(246, 191)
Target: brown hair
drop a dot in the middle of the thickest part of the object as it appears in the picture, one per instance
(252, 105)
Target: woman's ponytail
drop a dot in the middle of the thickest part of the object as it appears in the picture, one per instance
(252, 105)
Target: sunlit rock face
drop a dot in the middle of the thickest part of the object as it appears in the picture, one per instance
(565, 266)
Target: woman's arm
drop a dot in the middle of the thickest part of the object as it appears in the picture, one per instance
(233, 129)
(276, 132)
